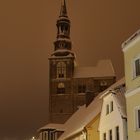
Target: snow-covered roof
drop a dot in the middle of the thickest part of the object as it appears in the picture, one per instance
(59, 127)
(121, 103)
(81, 118)
(63, 39)
(104, 68)
(113, 87)
(84, 115)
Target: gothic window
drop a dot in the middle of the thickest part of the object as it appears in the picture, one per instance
(61, 70)
(61, 88)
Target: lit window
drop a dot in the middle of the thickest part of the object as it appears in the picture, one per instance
(137, 113)
(61, 70)
(61, 88)
(117, 133)
(107, 109)
(137, 67)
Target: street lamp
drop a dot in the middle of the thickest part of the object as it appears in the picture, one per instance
(33, 138)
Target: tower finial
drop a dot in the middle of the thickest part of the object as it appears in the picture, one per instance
(63, 11)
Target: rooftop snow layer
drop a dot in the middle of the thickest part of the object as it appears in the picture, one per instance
(104, 68)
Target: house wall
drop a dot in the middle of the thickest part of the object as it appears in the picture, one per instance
(131, 52)
(111, 121)
(132, 103)
(129, 55)
(92, 129)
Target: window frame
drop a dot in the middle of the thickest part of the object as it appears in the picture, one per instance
(134, 67)
(137, 118)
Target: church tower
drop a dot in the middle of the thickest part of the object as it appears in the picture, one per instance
(61, 66)
(72, 86)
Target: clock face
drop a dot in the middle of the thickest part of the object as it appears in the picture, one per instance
(61, 88)
(103, 83)
(61, 85)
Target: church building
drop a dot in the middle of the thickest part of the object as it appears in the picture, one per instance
(71, 86)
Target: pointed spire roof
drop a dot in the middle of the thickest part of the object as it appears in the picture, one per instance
(63, 11)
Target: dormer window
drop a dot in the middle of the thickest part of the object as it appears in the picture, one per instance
(136, 67)
(61, 70)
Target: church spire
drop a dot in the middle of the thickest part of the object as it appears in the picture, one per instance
(63, 45)
(63, 11)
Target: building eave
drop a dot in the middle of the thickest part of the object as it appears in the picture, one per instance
(133, 39)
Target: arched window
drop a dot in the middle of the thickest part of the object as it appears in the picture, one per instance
(61, 70)
(61, 88)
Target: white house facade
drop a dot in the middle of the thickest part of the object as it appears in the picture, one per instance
(113, 121)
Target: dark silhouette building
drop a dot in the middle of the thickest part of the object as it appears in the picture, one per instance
(68, 82)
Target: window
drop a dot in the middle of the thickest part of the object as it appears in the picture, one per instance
(61, 70)
(117, 133)
(107, 109)
(61, 88)
(139, 118)
(81, 88)
(137, 67)
(110, 134)
(104, 136)
(111, 106)
(44, 135)
(137, 113)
